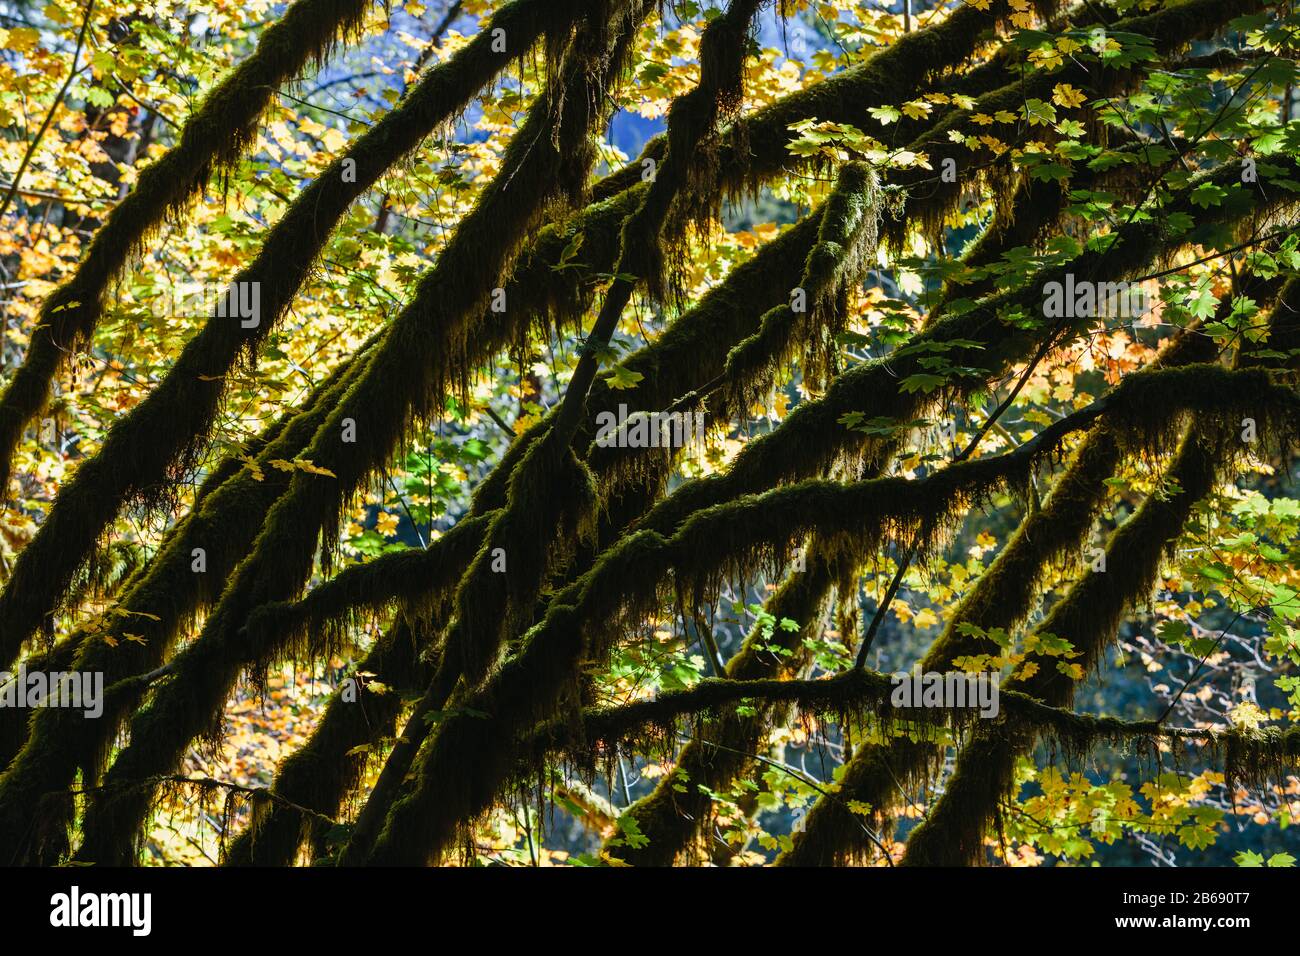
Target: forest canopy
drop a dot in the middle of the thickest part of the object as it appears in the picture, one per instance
(649, 432)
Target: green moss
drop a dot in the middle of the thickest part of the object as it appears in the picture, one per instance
(321, 774)
(213, 138)
(1088, 616)
(536, 171)
(157, 605)
(163, 437)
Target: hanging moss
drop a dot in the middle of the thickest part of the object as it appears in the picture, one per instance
(14, 720)
(935, 199)
(1002, 597)
(155, 607)
(211, 140)
(755, 148)
(845, 248)
(552, 502)
(537, 169)
(1027, 219)
(670, 815)
(331, 764)
(419, 579)
(727, 539)
(1088, 616)
(164, 435)
(865, 694)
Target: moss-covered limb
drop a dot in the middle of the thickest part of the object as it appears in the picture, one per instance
(545, 161)
(1002, 597)
(862, 692)
(421, 579)
(1035, 206)
(14, 720)
(394, 778)
(211, 140)
(162, 435)
(491, 601)
(953, 832)
(859, 87)
(155, 607)
(528, 538)
(760, 164)
(671, 814)
(692, 345)
(329, 766)
(1088, 617)
(1170, 28)
(755, 148)
(687, 165)
(625, 583)
(811, 439)
(814, 312)
(1245, 755)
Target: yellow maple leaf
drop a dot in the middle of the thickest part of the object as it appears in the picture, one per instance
(917, 109)
(386, 524)
(23, 39)
(1066, 95)
(311, 469)
(1047, 58)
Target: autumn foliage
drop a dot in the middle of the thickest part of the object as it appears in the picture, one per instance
(539, 432)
